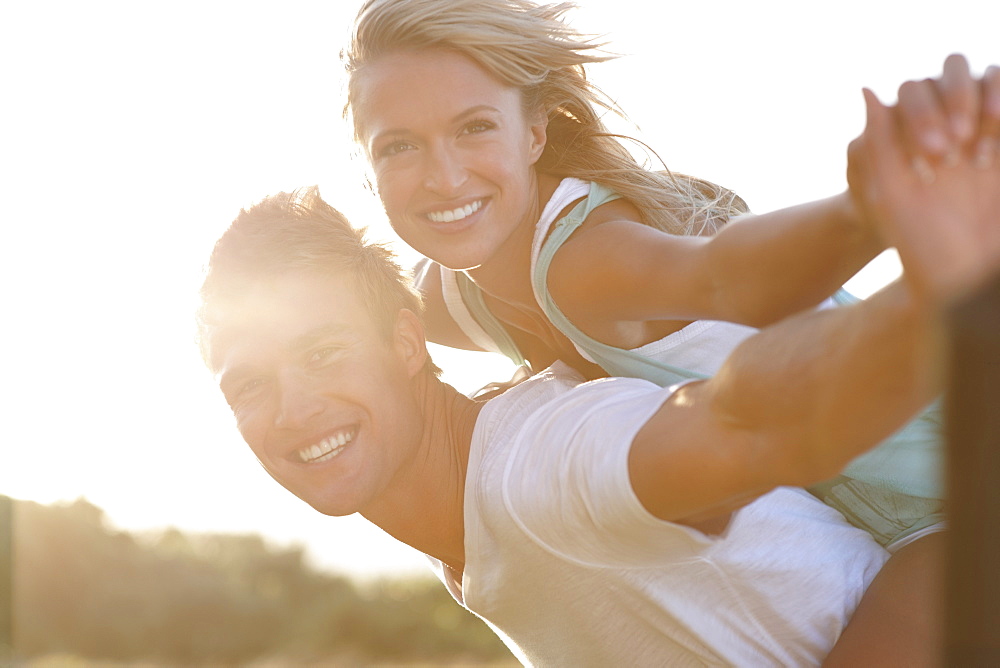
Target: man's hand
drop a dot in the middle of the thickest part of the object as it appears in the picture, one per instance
(945, 222)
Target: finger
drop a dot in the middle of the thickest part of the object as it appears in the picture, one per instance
(886, 144)
(863, 187)
(858, 170)
(924, 122)
(988, 145)
(884, 149)
(877, 158)
(960, 96)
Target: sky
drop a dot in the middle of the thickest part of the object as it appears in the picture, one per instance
(133, 132)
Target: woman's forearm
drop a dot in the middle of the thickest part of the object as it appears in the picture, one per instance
(776, 264)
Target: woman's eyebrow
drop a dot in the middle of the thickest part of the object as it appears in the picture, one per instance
(465, 113)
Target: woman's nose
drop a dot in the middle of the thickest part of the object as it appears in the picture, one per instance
(445, 173)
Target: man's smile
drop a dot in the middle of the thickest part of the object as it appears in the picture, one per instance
(329, 447)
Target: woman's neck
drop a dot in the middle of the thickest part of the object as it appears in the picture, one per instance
(507, 275)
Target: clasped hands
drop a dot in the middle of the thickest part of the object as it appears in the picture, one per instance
(926, 174)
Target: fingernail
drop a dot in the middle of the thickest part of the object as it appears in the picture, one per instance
(962, 127)
(923, 170)
(936, 141)
(985, 152)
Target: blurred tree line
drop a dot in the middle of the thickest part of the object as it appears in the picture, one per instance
(84, 590)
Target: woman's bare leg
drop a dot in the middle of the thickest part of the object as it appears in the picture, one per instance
(899, 621)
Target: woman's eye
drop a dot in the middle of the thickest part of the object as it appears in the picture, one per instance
(393, 148)
(476, 127)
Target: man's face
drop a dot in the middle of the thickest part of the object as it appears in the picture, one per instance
(320, 395)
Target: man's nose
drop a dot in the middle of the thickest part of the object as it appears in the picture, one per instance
(445, 173)
(298, 401)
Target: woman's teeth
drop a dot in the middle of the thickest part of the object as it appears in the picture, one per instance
(455, 214)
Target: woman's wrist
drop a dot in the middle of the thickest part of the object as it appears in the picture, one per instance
(853, 217)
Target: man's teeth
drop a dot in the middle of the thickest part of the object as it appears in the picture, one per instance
(455, 214)
(326, 449)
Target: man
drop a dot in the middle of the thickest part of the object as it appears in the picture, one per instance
(612, 522)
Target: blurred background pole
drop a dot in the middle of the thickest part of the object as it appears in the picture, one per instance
(972, 627)
(6, 579)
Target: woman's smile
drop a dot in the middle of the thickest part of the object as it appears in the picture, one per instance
(454, 215)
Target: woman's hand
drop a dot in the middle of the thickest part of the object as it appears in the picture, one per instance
(941, 118)
(945, 223)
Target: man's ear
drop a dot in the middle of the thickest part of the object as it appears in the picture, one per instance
(409, 341)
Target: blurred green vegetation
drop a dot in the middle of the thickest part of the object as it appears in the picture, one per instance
(85, 594)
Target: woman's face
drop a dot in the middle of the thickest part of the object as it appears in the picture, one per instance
(452, 153)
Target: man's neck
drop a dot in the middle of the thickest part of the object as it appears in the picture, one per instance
(425, 507)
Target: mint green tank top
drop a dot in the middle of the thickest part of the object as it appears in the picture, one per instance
(892, 491)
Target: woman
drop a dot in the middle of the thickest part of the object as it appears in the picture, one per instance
(490, 159)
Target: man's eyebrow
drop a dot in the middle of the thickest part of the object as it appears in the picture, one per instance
(314, 336)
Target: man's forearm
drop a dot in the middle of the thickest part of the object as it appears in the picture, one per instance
(823, 387)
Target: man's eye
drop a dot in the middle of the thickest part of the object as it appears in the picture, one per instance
(322, 356)
(251, 385)
(244, 392)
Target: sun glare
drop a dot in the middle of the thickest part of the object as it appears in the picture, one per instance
(138, 134)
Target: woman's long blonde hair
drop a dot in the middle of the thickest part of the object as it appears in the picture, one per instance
(528, 46)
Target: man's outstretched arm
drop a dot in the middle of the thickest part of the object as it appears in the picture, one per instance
(791, 406)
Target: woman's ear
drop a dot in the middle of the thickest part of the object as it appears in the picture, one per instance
(539, 125)
(409, 341)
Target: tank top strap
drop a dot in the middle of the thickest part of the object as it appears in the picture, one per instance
(616, 361)
(467, 308)
(460, 312)
(464, 300)
(568, 191)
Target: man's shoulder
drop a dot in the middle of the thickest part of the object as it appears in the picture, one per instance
(532, 393)
(555, 391)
